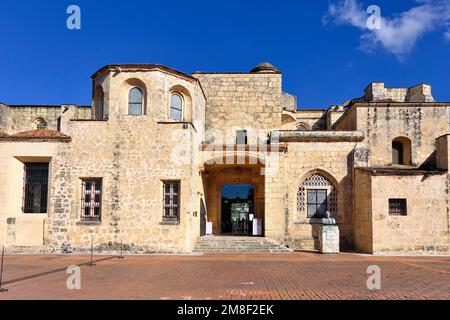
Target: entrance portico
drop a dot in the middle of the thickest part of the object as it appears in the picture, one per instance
(234, 197)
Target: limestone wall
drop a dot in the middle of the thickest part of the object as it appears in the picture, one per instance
(133, 155)
(383, 122)
(425, 228)
(4, 117)
(157, 87)
(14, 119)
(314, 119)
(283, 221)
(21, 118)
(18, 229)
(235, 101)
(362, 215)
(347, 121)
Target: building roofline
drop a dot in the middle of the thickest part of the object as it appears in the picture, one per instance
(365, 104)
(360, 104)
(37, 136)
(136, 67)
(45, 105)
(238, 72)
(312, 110)
(406, 88)
(143, 67)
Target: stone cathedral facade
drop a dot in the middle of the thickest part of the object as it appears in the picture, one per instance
(160, 159)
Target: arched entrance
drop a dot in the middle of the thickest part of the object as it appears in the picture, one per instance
(234, 198)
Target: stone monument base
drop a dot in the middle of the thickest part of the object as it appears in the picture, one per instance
(329, 239)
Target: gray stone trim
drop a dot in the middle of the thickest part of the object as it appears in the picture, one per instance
(169, 223)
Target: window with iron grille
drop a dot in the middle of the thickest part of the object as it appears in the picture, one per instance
(91, 199)
(40, 124)
(316, 196)
(317, 203)
(397, 207)
(35, 188)
(171, 202)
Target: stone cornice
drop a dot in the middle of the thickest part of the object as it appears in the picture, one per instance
(318, 136)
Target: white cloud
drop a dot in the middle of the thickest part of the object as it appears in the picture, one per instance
(346, 12)
(399, 34)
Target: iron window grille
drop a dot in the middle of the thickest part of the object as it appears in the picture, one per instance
(305, 196)
(397, 207)
(35, 189)
(171, 201)
(40, 124)
(91, 199)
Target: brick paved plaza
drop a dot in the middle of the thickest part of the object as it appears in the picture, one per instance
(227, 276)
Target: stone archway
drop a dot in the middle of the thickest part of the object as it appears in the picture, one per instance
(320, 186)
(216, 176)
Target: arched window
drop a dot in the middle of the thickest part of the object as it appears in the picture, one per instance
(135, 102)
(401, 151)
(40, 124)
(316, 196)
(176, 107)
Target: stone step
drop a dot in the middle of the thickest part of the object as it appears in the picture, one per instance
(230, 241)
(224, 244)
(235, 246)
(243, 251)
(240, 250)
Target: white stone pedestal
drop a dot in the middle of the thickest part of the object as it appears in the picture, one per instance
(329, 239)
(257, 227)
(209, 228)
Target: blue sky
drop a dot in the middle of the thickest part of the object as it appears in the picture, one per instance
(325, 55)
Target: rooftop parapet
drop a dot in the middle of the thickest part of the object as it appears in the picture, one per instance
(376, 91)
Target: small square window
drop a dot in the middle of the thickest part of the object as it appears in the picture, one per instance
(397, 207)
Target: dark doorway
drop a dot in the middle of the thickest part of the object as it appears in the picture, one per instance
(237, 209)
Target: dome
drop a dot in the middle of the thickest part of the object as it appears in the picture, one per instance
(265, 67)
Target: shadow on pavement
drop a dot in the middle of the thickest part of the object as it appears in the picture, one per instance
(57, 270)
